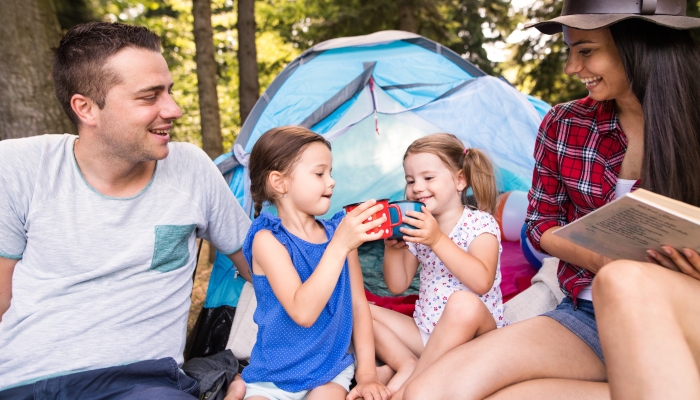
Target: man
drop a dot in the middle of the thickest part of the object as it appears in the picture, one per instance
(98, 231)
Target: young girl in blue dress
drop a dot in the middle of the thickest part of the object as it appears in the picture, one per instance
(307, 277)
(459, 249)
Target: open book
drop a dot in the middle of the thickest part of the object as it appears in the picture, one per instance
(641, 220)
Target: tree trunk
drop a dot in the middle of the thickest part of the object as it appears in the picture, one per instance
(407, 16)
(248, 88)
(210, 121)
(28, 104)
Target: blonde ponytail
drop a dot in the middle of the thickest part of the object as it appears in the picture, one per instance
(479, 173)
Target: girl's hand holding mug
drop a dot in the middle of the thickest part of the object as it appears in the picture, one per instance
(353, 229)
(427, 230)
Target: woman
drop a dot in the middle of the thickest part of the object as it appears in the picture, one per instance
(638, 127)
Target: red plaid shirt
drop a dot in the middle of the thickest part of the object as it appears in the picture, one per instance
(578, 154)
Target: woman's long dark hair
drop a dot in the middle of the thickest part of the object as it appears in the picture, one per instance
(663, 67)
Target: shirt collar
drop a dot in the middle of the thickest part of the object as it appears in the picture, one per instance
(605, 117)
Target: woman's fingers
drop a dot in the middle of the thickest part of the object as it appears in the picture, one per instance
(681, 261)
(663, 260)
(693, 258)
(676, 261)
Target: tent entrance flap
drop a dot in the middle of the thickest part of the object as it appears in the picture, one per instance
(340, 98)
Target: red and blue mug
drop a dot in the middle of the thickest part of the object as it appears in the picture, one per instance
(387, 227)
(397, 212)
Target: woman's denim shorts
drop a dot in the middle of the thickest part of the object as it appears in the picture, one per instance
(580, 321)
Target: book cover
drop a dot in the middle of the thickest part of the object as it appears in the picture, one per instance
(628, 226)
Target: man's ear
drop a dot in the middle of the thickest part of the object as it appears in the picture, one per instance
(277, 182)
(85, 109)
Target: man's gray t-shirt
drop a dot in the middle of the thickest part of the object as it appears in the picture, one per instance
(102, 281)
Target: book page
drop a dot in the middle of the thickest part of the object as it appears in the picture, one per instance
(626, 228)
(672, 206)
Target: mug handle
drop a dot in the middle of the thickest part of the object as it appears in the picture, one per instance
(398, 212)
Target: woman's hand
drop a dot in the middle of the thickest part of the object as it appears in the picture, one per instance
(352, 232)
(427, 230)
(687, 262)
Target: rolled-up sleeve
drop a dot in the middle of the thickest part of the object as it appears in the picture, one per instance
(548, 198)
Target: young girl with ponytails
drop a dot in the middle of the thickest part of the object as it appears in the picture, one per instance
(307, 278)
(458, 247)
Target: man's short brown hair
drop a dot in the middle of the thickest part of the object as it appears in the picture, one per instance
(80, 58)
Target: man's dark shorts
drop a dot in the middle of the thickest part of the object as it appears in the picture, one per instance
(145, 380)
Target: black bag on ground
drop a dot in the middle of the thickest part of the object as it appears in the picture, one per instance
(210, 333)
(214, 373)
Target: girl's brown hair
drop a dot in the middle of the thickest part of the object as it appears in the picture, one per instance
(476, 167)
(277, 150)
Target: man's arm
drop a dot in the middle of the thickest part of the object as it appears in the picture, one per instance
(241, 264)
(7, 267)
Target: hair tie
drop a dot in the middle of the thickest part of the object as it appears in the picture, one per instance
(466, 150)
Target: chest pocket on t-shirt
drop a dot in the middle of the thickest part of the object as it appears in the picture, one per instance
(171, 247)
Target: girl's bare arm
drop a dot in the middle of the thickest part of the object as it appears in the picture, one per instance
(363, 337)
(399, 267)
(305, 301)
(476, 267)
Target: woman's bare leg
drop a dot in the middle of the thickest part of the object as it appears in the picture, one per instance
(465, 317)
(397, 342)
(544, 389)
(649, 323)
(536, 348)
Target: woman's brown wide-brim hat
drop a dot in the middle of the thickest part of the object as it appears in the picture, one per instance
(596, 14)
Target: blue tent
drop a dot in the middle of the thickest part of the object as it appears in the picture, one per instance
(371, 96)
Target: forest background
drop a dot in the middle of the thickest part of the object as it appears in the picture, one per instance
(212, 46)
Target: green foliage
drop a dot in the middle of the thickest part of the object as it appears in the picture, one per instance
(172, 20)
(540, 59)
(73, 12)
(462, 25)
(287, 27)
